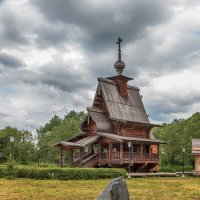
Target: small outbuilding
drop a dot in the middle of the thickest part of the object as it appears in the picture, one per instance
(196, 153)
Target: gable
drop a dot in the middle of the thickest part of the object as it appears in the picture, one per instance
(102, 121)
(129, 108)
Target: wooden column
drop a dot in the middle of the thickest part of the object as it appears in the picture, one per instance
(71, 158)
(132, 157)
(61, 157)
(99, 151)
(150, 151)
(81, 155)
(197, 162)
(109, 152)
(121, 151)
(141, 151)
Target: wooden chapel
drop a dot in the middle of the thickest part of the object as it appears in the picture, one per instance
(117, 118)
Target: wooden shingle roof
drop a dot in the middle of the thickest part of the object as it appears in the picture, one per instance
(101, 120)
(126, 138)
(80, 143)
(128, 109)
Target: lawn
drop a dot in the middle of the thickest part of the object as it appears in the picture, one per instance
(139, 188)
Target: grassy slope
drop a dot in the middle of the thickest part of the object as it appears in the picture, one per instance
(139, 188)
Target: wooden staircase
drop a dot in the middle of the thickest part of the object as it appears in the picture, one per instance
(87, 161)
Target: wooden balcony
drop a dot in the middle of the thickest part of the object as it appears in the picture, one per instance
(116, 158)
(135, 157)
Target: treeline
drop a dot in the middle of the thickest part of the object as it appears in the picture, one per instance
(55, 130)
(22, 148)
(28, 148)
(178, 135)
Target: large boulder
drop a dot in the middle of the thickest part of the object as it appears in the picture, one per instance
(115, 190)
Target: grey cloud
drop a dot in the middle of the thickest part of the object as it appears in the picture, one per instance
(51, 35)
(161, 110)
(61, 75)
(92, 27)
(11, 32)
(10, 61)
(103, 23)
(3, 114)
(57, 74)
(1, 1)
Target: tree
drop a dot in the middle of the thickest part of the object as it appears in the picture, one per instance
(24, 150)
(55, 130)
(178, 135)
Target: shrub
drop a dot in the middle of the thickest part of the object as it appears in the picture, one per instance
(11, 169)
(2, 171)
(171, 168)
(69, 173)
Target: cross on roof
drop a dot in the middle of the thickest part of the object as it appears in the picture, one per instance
(119, 50)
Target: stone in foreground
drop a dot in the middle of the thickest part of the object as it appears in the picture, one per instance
(115, 190)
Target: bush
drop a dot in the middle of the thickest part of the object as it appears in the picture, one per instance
(69, 173)
(11, 169)
(171, 168)
(2, 171)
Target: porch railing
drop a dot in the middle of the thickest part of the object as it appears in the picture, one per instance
(116, 156)
(133, 156)
(140, 156)
(113, 155)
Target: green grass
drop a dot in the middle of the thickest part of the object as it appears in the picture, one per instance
(139, 188)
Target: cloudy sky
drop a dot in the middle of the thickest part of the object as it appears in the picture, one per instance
(51, 53)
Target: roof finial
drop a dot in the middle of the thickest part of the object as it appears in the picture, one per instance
(119, 50)
(119, 65)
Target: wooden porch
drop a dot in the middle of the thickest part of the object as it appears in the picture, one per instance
(112, 150)
(135, 157)
(114, 155)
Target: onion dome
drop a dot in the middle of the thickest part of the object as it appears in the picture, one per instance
(119, 65)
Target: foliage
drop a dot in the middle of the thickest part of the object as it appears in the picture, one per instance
(11, 171)
(55, 130)
(65, 173)
(2, 171)
(22, 149)
(179, 134)
(69, 173)
(175, 168)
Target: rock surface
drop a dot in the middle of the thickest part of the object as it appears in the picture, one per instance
(115, 190)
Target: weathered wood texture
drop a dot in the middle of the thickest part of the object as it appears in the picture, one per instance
(128, 108)
(117, 117)
(89, 126)
(136, 133)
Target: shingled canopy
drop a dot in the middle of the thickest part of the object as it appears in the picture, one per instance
(77, 144)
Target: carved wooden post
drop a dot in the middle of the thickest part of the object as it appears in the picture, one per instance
(81, 156)
(158, 157)
(71, 158)
(99, 151)
(141, 152)
(121, 151)
(109, 152)
(61, 157)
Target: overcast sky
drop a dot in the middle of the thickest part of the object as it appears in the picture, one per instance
(52, 51)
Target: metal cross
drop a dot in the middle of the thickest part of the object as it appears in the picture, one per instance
(119, 50)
